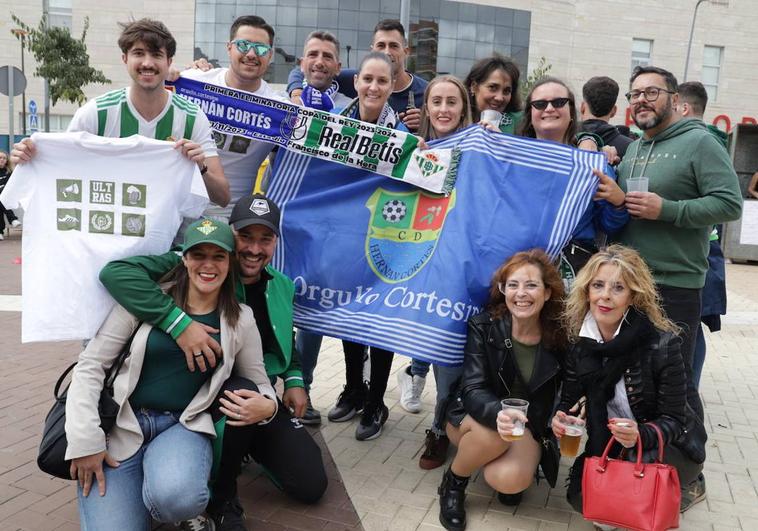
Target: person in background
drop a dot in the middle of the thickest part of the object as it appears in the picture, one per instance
(446, 110)
(407, 89)
(598, 107)
(493, 84)
(693, 100)
(514, 349)
(156, 461)
(5, 174)
(624, 357)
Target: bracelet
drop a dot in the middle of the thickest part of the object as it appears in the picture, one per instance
(203, 169)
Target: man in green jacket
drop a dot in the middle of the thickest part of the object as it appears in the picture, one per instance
(692, 186)
(282, 446)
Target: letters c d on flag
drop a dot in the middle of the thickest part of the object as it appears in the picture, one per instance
(403, 231)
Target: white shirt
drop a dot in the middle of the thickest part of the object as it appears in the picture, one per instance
(240, 156)
(113, 115)
(89, 200)
(619, 406)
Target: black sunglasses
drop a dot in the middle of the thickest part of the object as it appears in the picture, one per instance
(557, 103)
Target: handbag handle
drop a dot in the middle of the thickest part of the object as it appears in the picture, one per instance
(659, 433)
(639, 469)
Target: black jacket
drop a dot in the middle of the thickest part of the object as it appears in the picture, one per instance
(610, 135)
(656, 385)
(489, 372)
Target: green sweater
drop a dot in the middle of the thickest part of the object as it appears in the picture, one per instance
(689, 169)
(133, 283)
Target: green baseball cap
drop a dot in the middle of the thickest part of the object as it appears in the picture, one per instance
(208, 231)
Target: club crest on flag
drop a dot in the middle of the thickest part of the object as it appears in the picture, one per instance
(403, 231)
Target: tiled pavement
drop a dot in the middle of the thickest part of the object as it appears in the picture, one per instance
(382, 479)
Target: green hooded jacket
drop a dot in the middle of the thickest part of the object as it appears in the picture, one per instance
(689, 169)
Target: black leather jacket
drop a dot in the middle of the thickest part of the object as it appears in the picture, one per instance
(489, 372)
(656, 388)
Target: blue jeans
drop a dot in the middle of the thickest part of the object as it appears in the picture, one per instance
(445, 378)
(166, 480)
(308, 345)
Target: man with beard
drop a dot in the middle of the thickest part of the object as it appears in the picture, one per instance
(320, 64)
(598, 107)
(408, 91)
(281, 445)
(692, 186)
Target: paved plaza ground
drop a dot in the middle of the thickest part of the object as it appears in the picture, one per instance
(378, 485)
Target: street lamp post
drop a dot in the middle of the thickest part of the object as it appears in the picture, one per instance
(692, 31)
(18, 32)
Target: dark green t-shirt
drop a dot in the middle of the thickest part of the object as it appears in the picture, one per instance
(165, 383)
(525, 356)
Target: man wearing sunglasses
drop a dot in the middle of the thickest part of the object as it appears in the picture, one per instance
(250, 50)
(691, 187)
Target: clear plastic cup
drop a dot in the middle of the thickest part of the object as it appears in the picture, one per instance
(491, 116)
(515, 404)
(637, 184)
(574, 430)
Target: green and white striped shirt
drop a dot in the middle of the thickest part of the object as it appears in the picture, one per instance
(113, 115)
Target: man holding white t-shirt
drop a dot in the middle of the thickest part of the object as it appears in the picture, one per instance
(147, 108)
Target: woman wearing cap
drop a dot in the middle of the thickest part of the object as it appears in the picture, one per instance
(156, 461)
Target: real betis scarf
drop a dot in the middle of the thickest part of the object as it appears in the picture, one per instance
(336, 138)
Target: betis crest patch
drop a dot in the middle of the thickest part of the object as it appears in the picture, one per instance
(403, 231)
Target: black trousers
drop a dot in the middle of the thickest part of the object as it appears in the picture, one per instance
(4, 212)
(283, 447)
(381, 364)
(682, 305)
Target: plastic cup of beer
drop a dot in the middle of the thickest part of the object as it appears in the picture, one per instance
(511, 405)
(574, 429)
(491, 116)
(637, 184)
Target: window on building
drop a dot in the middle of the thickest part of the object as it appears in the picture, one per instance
(59, 13)
(642, 52)
(58, 123)
(711, 69)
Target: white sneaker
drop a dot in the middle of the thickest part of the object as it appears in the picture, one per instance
(411, 388)
(15, 223)
(2, 237)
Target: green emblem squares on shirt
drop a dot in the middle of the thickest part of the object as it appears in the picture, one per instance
(133, 225)
(101, 222)
(133, 195)
(69, 219)
(102, 192)
(69, 190)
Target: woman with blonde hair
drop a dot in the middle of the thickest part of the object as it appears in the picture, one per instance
(624, 357)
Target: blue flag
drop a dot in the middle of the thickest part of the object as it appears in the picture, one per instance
(383, 263)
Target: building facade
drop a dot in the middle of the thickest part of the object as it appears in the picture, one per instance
(578, 38)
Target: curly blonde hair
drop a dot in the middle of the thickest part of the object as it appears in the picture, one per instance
(636, 275)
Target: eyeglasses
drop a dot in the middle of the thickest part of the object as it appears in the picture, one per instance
(651, 94)
(557, 103)
(244, 46)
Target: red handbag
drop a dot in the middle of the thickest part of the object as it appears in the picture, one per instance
(638, 496)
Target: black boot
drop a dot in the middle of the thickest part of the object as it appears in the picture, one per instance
(452, 493)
